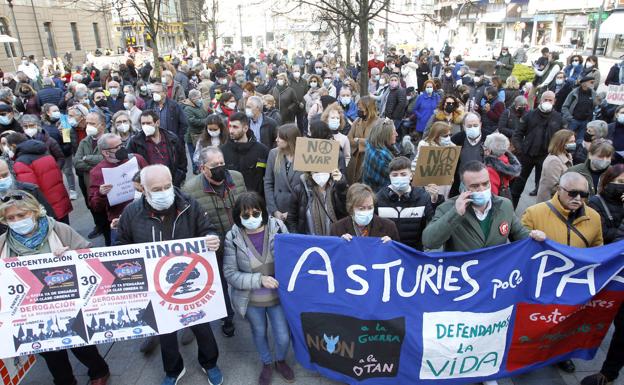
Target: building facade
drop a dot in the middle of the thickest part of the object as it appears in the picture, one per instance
(50, 28)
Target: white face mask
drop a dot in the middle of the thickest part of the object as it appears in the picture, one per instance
(313, 84)
(445, 141)
(320, 178)
(31, 132)
(251, 223)
(91, 130)
(546, 106)
(382, 82)
(148, 130)
(296, 74)
(161, 200)
(214, 134)
(157, 98)
(477, 79)
(123, 128)
(280, 82)
(249, 113)
(127, 106)
(231, 105)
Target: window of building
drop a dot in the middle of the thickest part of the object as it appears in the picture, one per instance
(74, 29)
(493, 32)
(9, 48)
(228, 40)
(269, 36)
(47, 28)
(96, 33)
(247, 40)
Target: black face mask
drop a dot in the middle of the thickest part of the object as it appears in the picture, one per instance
(614, 191)
(465, 98)
(361, 114)
(121, 154)
(101, 103)
(519, 110)
(588, 137)
(218, 173)
(449, 107)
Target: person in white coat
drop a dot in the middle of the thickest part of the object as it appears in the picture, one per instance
(408, 70)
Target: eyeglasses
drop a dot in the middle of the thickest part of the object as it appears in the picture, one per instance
(7, 198)
(575, 193)
(255, 214)
(117, 147)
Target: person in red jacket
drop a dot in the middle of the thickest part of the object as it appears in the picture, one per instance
(115, 154)
(502, 165)
(32, 164)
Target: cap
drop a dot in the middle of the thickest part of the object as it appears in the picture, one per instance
(326, 100)
(586, 79)
(5, 107)
(479, 72)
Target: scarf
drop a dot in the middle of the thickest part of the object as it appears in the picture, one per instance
(322, 210)
(26, 245)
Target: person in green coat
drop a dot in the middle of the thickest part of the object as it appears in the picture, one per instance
(216, 189)
(504, 64)
(197, 118)
(475, 219)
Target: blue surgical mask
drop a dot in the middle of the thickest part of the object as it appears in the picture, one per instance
(72, 122)
(333, 123)
(345, 100)
(620, 118)
(473, 132)
(161, 200)
(481, 198)
(56, 115)
(6, 183)
(363, 218)
(5, 120)
(400, 183)
(22, 227)
(252, 223)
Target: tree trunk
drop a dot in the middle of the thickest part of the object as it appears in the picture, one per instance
(363, 30)
(348, 37)
(338, 34)
(214, 40)
(155, 55)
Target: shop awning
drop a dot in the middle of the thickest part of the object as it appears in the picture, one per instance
(612, 26)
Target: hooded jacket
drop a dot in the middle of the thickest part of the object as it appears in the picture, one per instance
(502, 170)
(34, 165)
(248, 158)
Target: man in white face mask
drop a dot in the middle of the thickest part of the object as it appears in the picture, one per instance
(137, 225)
(263, 127)
(170, 113)
(159, 146)
(531, 140)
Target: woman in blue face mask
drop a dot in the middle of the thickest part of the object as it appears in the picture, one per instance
(249, 267)
(32, 232)
(362, 220)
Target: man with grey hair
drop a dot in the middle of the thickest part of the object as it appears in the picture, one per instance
(49, 93)
(116, 98)
(114, 154)
(164, 213)
(204, 86)
(531, 140)
(263, 127)
(470, 139)
(182, 78)
(197, 118)
(134, 112)
(169, 111)
(216, 189)
(502, 165)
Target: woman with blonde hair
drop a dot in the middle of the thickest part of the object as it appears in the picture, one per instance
(334, 117)
(280, 177)
(379, 153)
(33, 232)
(368, 118)
(438, 136)
(122, 126)
(511, 90)
(559, 160)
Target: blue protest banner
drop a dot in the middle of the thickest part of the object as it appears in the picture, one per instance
(364, 312)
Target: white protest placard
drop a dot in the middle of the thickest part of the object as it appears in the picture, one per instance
(615, 95)
(121, 179)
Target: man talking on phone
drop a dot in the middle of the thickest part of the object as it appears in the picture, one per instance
(475, 219)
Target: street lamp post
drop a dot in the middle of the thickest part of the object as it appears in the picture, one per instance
(505, 22)
(19, 39)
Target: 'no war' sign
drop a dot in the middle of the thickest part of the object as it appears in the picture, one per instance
(316, 155)
(436, 165)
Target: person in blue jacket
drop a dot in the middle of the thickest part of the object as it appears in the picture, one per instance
(426, 104)
(574, 70)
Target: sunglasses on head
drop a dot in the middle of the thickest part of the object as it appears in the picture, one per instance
(7, 198)
(255, 214)
(575, 193)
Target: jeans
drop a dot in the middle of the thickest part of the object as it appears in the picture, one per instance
(615, 356)
(527, 162)
(578, 127)
(207, 350)
(191, 150)
(61, 369)
(68, 171)
(257, 317)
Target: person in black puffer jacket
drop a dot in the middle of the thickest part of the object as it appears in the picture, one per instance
(608, 202)
(510, 118)
(310, 212)
(410, 208)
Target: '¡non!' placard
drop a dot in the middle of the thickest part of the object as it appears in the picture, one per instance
(316, 155)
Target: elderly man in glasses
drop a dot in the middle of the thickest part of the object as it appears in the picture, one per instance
(568, 220)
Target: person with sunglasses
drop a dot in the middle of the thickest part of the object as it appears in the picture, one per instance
(568, 220)
(249, 267)
(32, 232)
